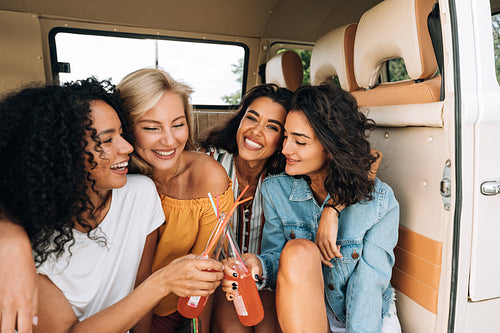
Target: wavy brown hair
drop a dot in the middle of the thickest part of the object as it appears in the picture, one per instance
(343, 132)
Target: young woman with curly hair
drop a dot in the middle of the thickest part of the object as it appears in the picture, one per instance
(159, 109)
(328, 165)
(93, 229)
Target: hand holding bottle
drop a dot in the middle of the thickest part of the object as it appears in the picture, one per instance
(244, 293)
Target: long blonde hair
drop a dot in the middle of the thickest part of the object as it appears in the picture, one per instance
(140, 91)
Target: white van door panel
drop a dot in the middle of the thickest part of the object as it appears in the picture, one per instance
(484, 267)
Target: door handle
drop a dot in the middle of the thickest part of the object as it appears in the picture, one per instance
(490, 187)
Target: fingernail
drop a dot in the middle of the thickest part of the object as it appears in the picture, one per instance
(231, 297)
(235, 274)
(257, 277)
(235, 286)
(35, 320)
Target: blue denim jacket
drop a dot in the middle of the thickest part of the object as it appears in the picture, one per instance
(358, 286)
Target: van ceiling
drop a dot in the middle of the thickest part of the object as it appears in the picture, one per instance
(294, 20)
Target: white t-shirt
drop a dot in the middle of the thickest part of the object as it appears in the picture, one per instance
(98, 274)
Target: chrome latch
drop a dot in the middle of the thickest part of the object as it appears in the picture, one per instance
(490, 187)
(445, 186)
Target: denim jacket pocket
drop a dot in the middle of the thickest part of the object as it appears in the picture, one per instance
(351, 253)
(297, 231)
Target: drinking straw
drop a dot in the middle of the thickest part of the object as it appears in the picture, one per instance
(210, 247)
(237, 252)
(213, 204)
(195, 325)
(218, 207)
(217, 226)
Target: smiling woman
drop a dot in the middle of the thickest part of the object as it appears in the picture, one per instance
(328, 163)
(160, 111)
(247, 146)
(110, 168)
(93, 228)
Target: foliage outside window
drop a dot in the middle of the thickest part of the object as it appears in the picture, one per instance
(396, 70)
(495, 19)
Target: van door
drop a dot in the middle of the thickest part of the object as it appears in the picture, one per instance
(479, 98)
(485, 180)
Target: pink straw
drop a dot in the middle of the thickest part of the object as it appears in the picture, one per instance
(213, 242)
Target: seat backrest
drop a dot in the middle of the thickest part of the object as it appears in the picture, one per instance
(332, 55)
(396, 29)
(286, 70)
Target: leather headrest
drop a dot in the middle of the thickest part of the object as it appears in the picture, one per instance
(332, 55)
(394, 29)
(285, 69)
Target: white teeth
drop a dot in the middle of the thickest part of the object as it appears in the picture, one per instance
(253, 144)
(164, 153)
(120, 165)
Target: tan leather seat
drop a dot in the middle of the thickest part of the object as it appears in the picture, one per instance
(395, 29)
(332, 55)
(285, 70)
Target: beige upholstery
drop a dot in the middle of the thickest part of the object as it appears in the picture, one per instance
(423, 115)
(285, 69)
(395, 29)
(332, 55)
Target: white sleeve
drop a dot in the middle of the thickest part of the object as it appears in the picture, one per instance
(152, 204)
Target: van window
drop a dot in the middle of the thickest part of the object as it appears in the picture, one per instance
(214, 70)
(396, 70)
(495, 19)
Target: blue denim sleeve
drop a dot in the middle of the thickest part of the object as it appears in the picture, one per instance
(273, 240)
(372, 275)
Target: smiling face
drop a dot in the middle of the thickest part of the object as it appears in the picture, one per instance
(162, 132)
(111, 157)
(303, 151)
(260, 130)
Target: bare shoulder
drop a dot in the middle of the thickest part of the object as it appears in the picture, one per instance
(207, 173)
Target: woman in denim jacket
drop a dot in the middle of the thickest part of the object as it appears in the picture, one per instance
(328, 168)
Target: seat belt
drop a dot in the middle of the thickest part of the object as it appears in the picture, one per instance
(434, 26)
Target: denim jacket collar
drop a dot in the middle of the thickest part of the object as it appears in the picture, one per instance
(301, 191)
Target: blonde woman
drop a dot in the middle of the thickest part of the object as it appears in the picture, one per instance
(159, 110)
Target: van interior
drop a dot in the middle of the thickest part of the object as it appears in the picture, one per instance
(353, 43)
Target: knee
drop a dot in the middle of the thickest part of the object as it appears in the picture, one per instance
(299, 254)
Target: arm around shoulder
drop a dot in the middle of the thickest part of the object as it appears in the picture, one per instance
(18, 283)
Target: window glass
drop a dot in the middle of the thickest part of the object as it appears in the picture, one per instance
(495, 19)
(104, 57)
(396, 70)
(215, 71)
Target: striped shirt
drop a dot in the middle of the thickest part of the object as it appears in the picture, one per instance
(247, 224)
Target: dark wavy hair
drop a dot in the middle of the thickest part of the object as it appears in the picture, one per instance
(343, 132)
(43, 179)
(225, 136)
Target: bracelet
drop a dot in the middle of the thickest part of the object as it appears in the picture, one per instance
(332, 206)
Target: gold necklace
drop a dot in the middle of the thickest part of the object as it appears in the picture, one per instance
(171, 181)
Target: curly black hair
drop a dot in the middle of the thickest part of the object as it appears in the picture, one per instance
(43, 179)
(343, 132)
(225, 136)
